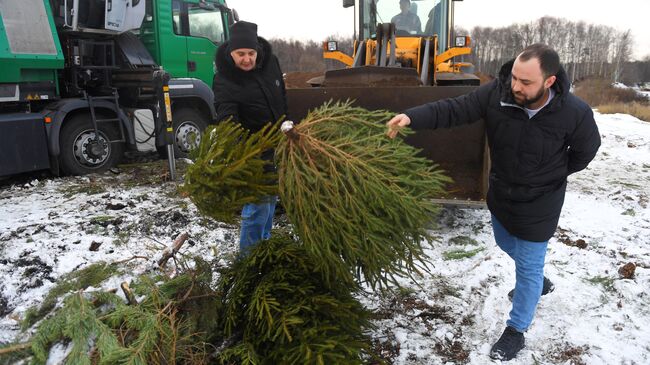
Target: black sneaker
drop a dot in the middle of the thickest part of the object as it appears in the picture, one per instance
(508, 345)
(546, 288)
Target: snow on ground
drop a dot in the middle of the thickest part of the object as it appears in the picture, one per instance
(452, 315)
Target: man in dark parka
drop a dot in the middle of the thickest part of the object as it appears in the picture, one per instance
(250, 90)
(538, 133)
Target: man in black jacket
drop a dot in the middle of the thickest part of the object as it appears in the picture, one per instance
(538, 133)
(249, 89)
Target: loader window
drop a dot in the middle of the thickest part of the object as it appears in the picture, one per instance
(207, 23)
(27, 27)
(430, 16)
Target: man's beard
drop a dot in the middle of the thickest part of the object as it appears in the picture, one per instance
(526, 102)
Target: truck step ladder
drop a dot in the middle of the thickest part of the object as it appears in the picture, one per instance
(93, 115)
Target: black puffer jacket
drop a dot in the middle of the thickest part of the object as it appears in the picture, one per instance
(251, 98)
(531, 158)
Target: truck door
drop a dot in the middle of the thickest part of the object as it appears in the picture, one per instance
(205, 34)
(172, 43)
(123, 15)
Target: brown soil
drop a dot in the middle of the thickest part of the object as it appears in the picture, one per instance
(294, 80)
(563, 236)
(627, 271)
(570, 354)
(485, 78)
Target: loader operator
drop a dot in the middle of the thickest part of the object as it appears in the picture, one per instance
(250, 90)
(538, 133)
(406, 20)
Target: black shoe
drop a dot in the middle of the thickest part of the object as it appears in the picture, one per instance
(546, 288)
(508, 345)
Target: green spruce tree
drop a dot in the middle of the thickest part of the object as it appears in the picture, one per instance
(278, 308)
(228, 170)
(359, 201)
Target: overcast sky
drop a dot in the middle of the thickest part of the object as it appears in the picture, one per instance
(318, 19)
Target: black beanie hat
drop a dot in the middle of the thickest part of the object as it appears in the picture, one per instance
(243, 35)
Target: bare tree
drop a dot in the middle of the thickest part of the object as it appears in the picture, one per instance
(585, 49)
(623, 51)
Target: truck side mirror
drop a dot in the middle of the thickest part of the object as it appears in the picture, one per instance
(348, 3)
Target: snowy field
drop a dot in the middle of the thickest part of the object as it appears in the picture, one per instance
(53, 226)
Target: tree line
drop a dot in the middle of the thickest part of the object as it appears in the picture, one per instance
(299, 56)
(586, 50)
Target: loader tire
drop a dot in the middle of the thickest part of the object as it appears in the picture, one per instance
(81, 153)
(188, 126)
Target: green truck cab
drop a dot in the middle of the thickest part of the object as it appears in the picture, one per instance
(185, 39)
(85, 80)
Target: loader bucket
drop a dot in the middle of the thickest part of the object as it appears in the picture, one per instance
(461, 151)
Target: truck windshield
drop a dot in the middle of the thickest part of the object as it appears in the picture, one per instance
(411, 18)
(206, 23)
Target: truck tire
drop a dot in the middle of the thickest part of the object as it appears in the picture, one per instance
(81, 155)
(188, 126)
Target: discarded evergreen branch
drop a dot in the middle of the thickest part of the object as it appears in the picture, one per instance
(170, 252)
(128, 293)
(278, 308)
(14, 348)
(359, 201)
(173, 323)
(461, 254)
(228, 171)
(74, 281)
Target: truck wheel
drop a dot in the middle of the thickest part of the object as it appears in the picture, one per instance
(188, 126)
(82, 153)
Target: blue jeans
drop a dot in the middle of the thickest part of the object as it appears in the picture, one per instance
(529, 267)
(256, 222)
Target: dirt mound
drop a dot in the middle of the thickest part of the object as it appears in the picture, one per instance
(485, 78)
(294, 80)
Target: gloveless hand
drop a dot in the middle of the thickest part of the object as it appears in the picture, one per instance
(398, 122)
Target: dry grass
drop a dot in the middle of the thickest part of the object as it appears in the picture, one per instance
(639, 110)
(600, 94)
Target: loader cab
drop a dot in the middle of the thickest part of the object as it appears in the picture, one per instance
(433, 19)
(413, 35)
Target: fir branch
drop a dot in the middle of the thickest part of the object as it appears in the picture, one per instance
(229, 171)
(371, 196)
(92, 275)
(287, 312)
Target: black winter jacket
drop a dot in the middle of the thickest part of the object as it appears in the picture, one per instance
(252, 98)
(531, 158)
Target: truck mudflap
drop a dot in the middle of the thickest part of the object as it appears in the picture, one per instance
(461, 152)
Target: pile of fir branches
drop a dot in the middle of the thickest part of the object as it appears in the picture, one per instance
(173, 323)
(279, 308)
(271, 306)
(359, 201)
(228, 169)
